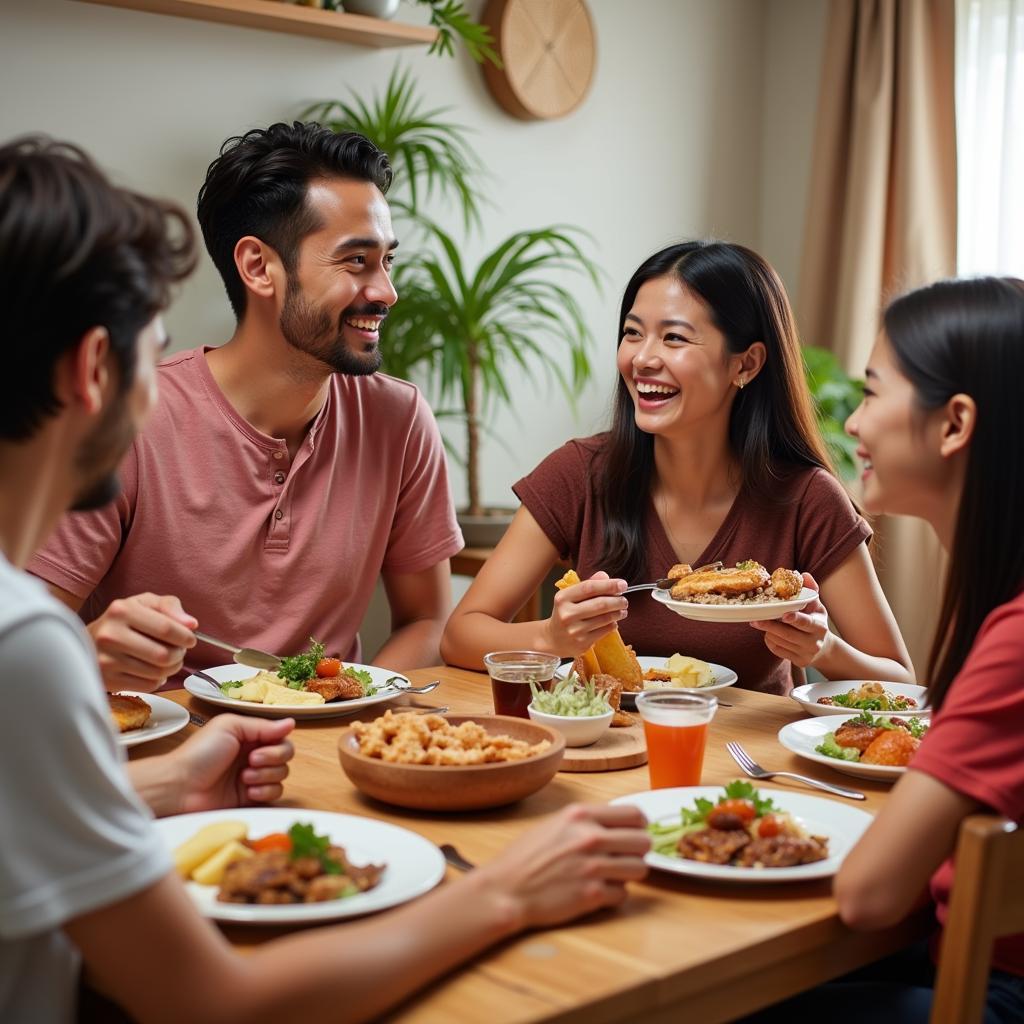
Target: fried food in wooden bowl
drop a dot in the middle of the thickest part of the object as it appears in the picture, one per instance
(449, 762)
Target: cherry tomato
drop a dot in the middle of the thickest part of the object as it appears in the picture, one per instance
(743, 809)
(769, 826)
(328, 668)
(274, 841)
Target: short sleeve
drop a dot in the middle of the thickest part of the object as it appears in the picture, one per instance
(554, 494)
(829, 528)
(76, 836)
(424, 530)
(79, 552)
(974, 743)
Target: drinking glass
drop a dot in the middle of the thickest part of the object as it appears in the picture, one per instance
(512, 672)
(676, 730)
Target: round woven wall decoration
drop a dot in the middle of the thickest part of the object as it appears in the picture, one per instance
(548, 49)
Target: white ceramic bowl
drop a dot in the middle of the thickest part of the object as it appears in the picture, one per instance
(578, 730)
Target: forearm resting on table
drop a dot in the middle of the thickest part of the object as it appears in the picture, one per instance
(470, 635)
(158, 782)
(364, 967)
(414, 645)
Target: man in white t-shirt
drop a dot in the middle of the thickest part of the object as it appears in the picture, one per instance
(84, 273)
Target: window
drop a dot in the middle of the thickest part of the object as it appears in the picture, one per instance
(990, 136)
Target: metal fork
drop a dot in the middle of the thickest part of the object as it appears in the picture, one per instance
(755, 771)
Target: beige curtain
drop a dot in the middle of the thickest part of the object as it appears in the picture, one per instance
(881, 219)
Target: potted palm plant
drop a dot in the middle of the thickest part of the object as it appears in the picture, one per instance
(457, 329)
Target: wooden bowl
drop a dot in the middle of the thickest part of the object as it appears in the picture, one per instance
(429, 787)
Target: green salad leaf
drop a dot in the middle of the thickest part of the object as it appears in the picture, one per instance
(571, 698)
(306, 843)
(297, 670)
(232, 684)
(830, 748)
(364, 679)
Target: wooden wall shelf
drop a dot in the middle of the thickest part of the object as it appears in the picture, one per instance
(283, 17)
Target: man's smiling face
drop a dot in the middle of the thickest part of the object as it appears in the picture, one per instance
(341, 290)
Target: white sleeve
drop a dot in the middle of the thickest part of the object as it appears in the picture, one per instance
(76, 836)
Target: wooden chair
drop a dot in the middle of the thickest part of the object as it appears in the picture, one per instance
(987, 902)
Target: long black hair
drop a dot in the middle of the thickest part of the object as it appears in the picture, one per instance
(772, 426)
(967, 337)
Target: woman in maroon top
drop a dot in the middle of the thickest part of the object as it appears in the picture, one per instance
(940, 435)
(713, 454)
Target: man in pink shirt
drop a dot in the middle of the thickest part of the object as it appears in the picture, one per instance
(279, 475)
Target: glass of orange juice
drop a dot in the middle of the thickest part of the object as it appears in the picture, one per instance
(676, 730)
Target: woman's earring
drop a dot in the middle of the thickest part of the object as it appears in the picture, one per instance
(741, 383)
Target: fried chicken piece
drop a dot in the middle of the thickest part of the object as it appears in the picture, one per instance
(340, 687)
(850, 734)
(678, 571)
(613, 694)
(712, 845)
(128, 712)
(730, 582)
(782, 851)
(894, 747)
(786, 583)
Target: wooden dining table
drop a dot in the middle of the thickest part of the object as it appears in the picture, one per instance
(679, 949)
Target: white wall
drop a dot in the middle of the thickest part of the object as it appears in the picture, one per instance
(668, 145)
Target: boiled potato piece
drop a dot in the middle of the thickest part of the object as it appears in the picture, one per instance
(211, 871)
(206, 842)
(287, 696)
(689, 672)
(253, 690)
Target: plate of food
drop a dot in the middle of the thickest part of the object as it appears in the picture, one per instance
(843, 696)
(307, 685)
(676, 672)
(141, 717)
(285, 865)
(743, 834)
(745, 592)
(869, 746)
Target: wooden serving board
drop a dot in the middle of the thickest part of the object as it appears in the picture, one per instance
(617, 748)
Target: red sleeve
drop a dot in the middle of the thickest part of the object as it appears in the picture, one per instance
(78, 554)
(829, 528)
(555, 495)
(975, 743)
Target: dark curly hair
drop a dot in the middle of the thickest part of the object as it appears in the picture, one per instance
(76, 252)
(258, 185)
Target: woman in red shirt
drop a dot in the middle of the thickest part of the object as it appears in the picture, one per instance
(940, 436)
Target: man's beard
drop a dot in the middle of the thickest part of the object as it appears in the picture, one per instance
(309, 329)
(99, 455)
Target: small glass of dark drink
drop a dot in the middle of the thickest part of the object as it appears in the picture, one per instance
(512, 672)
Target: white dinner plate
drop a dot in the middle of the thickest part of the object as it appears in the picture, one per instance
(734, 612)
(841, 824)
(413, 864)
(225, 673)
(807, 697)
(803, 736)
(723, 677)
(167, 718)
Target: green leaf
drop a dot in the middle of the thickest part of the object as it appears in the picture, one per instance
(306, 843)
(297, 670)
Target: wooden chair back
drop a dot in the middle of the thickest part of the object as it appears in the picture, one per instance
(987, 902)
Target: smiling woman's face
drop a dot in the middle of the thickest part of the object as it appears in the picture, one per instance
(674, 361)
(899, 443)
